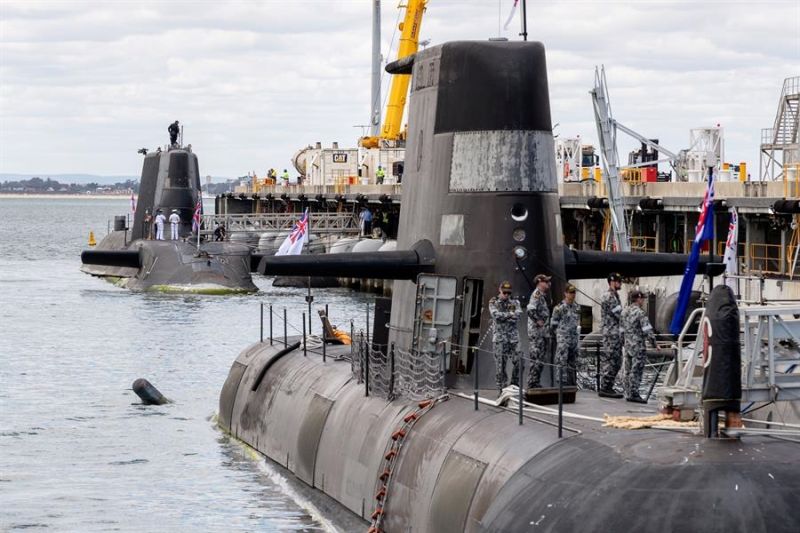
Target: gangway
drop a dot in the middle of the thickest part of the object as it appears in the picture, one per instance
(320, 222)
(770, 357)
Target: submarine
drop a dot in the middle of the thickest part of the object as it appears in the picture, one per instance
(387, 428)
(132, 259)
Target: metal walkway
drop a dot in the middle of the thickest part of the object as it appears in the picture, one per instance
(320, 222)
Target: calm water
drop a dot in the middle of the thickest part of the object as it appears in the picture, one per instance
(77, 450)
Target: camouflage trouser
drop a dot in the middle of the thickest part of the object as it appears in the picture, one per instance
(566, 357)
(610, 360)
(538, 358)
(503, 351)
(635, 358)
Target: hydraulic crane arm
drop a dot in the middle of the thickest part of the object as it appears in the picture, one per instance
(409, 42)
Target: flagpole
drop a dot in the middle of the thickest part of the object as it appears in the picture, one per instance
(524, 22)
(713, 237)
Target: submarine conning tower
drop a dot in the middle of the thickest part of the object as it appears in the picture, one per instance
(480, 175)
(170, 180)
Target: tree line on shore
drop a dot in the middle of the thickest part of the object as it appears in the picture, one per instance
(38, 185)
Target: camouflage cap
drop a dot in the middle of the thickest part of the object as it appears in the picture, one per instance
(636, 294)
(542, 277)
(570, 288)
(614, 276)
(505, 286)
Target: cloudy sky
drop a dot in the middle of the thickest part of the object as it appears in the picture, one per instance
(83, 85)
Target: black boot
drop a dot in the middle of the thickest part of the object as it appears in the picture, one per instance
(609, 393)
(635, 398)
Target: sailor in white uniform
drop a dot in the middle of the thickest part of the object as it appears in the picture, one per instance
(160, 220)
(174, 220)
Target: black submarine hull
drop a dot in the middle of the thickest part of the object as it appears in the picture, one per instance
(171, 266)
(465, 470)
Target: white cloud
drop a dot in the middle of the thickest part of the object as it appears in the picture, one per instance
(83, 85)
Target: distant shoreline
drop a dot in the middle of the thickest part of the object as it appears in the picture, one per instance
(50, 196)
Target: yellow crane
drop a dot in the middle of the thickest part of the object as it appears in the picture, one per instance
(409, 42)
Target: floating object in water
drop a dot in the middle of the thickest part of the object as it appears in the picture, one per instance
(92, 242)
(148, 393)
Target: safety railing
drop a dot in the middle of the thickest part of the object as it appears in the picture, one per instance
(643, 243)
(631, 175)
(766, 258)
(321, 222)
(688, 247)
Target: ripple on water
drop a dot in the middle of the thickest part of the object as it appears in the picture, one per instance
(74, 435)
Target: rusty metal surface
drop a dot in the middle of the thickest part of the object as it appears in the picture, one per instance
(520, 161)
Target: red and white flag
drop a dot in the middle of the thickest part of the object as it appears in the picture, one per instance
(731, 267)
(197, 217)
(293, 245)
(511, 15)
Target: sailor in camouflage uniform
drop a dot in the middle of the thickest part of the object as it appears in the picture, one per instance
(611, 356)
(505, 312)
(637, 330)
(538, 318)
(566, 323)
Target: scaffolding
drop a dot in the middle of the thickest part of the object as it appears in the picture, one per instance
(780, 145)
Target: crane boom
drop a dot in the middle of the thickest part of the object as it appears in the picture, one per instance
(409, 42)
(607, 137)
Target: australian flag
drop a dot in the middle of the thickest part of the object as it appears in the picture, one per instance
(702, 233)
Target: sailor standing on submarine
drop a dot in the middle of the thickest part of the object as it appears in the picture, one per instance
(611, 356)
(566, 323)
(160, 220)
(538, 318)
(505, 312)
(637, 330)
(174, 220)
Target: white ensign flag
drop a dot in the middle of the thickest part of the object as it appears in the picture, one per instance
(731, 266)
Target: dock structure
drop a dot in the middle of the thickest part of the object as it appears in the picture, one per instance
(661, 215)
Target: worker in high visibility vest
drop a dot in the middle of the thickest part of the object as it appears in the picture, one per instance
(379, 175)
(285, 177)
